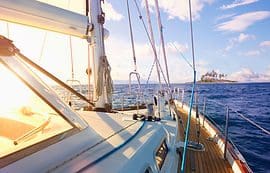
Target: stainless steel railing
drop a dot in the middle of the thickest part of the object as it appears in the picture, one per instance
(205, 104)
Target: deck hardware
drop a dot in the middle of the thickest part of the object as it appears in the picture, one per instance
(198, 130)
(226, 131)
(204, 110)
(183, 94)
(193, 146)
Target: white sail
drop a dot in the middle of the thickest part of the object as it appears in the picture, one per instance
(44, 16)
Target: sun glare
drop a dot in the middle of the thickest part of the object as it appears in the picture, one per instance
(14, 95)
(24, 117)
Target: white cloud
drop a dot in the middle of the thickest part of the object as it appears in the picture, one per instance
(244, 37)
(265, 43)
(241, 22)
(237, 3)
(110, 12)
(179, 9)
(252, 53)
(247, 75)
(225, 16)
(239, 39)
(268, 71)
(229, 47)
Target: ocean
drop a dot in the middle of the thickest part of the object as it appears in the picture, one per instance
(250, 99)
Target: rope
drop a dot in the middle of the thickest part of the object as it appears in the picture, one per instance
(188, 125)
(183, 164)
(104, 70)
(191, 35)
(104, 81)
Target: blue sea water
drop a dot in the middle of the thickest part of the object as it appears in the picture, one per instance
(249, 99)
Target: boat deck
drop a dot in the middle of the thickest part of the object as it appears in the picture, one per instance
(209, 161)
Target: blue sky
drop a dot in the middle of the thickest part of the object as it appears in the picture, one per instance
(230, 36)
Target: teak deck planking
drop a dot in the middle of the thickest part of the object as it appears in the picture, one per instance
(209, 161)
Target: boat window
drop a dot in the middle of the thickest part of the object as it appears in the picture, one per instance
(161, 154)
(148, 170)
(25, 118)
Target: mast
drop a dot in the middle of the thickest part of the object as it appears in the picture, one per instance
(101, 69)
(44, 16)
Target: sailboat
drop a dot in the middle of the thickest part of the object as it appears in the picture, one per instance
(39, 132)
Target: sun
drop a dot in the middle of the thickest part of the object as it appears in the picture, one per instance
(14, 94)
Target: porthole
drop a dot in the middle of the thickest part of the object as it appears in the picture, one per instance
(148, 170)
(161, 154)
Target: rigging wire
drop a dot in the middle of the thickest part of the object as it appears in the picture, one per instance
(252, 122)
(192, 94)
(153, 40)
(150, 73)
(71, 58)
(182, 54)
(242, 116)
(131, 38)
(51, 76)
(151, 69)
(7, 29)
(163, 75)
(149, 39)
(162, 41)
(71, 52)
(43, 46)
(134, 56)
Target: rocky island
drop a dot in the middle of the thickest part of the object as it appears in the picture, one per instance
(214, 77)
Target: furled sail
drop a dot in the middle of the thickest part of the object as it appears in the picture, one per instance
(44, 16)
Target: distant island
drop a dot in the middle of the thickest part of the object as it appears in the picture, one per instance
(214, 77)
